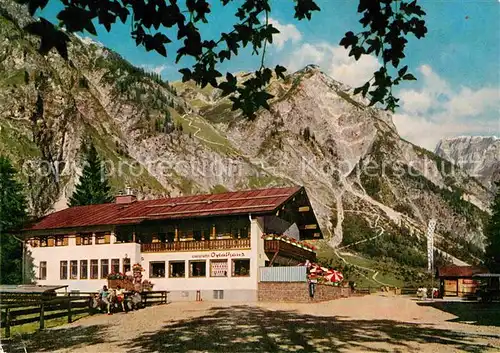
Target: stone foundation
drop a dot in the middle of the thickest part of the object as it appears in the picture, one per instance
(299, 292)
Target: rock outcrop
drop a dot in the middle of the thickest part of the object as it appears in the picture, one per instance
(477, 155)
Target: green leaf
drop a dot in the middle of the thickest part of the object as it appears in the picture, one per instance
(403, 70)
(409, 77)
(280, 70)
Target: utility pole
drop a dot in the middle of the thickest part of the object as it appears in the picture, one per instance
(430, 245)
(430, 252)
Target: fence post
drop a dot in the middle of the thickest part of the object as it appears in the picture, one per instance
(7, 322)
(69, 311)
(42, 314)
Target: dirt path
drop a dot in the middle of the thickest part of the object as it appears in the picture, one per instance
(357, 324)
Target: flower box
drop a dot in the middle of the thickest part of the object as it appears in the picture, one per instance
(123, 283)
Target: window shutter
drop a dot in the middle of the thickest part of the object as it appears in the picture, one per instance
(78, 240)
(65, 241)
(51, 241)
(107, 238)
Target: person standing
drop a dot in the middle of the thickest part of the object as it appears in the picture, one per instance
(311, 279)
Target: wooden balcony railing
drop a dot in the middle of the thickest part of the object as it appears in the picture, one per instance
(219, 244)
(288, 250)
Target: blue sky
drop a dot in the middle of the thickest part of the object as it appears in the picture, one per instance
(457, 64)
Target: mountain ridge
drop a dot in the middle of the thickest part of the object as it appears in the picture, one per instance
(478, 155)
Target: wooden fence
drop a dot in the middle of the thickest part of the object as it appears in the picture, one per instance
(22, 308)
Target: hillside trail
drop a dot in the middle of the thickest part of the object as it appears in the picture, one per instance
(375, 272)
(187, 118)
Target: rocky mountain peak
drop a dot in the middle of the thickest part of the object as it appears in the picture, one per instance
(477, 155)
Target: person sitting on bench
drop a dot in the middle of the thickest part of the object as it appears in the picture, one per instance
(104, 296)
(135, 301)
(120, 297)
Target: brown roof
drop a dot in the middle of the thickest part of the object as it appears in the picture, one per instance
(459, 271)
(229, 203)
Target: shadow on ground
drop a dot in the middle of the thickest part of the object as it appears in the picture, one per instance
(252, 329)
(63, 338)
(475, 313)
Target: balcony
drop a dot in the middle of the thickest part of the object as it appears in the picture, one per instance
(219, 244)
(281, 247)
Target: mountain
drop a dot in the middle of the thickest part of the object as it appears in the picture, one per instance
(373, 192)
(477, 155)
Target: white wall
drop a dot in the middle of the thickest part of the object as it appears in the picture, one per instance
(187, 283)
(54, 255)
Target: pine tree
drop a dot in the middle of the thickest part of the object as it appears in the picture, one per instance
(492, 233)
(307, 134)
(168, 124)
(12, 218)
(93, 187)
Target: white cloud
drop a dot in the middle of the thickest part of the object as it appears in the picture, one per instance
(288, 32)
(415, 102)
(426, 133)
(156, 69)
(468, 102)
(438, 110)
(335, 61)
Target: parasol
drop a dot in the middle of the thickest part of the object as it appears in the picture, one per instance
(334, 276)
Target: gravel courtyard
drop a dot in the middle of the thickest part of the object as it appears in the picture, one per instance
(359, 324)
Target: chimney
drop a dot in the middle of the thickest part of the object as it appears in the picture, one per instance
(128, 197)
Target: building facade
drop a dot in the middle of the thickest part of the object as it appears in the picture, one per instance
(458, 281)
(211, 244)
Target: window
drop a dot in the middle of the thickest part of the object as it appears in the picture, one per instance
(223, 230)
(218, 268)
(157, 269)
(64, 269)
(84, 269)
(126, 265)
(170, 237)
(59, 240)
(241, 268)
(177, 269)
(85, 239)
(163, 237)
(115, 265)
(197, 235)
(244, 232)
(197, 269)
(42, 270)
(104, 268)
(102, 238)
(73, 269)
(94, 269)
(218, 294)
(44, 241)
